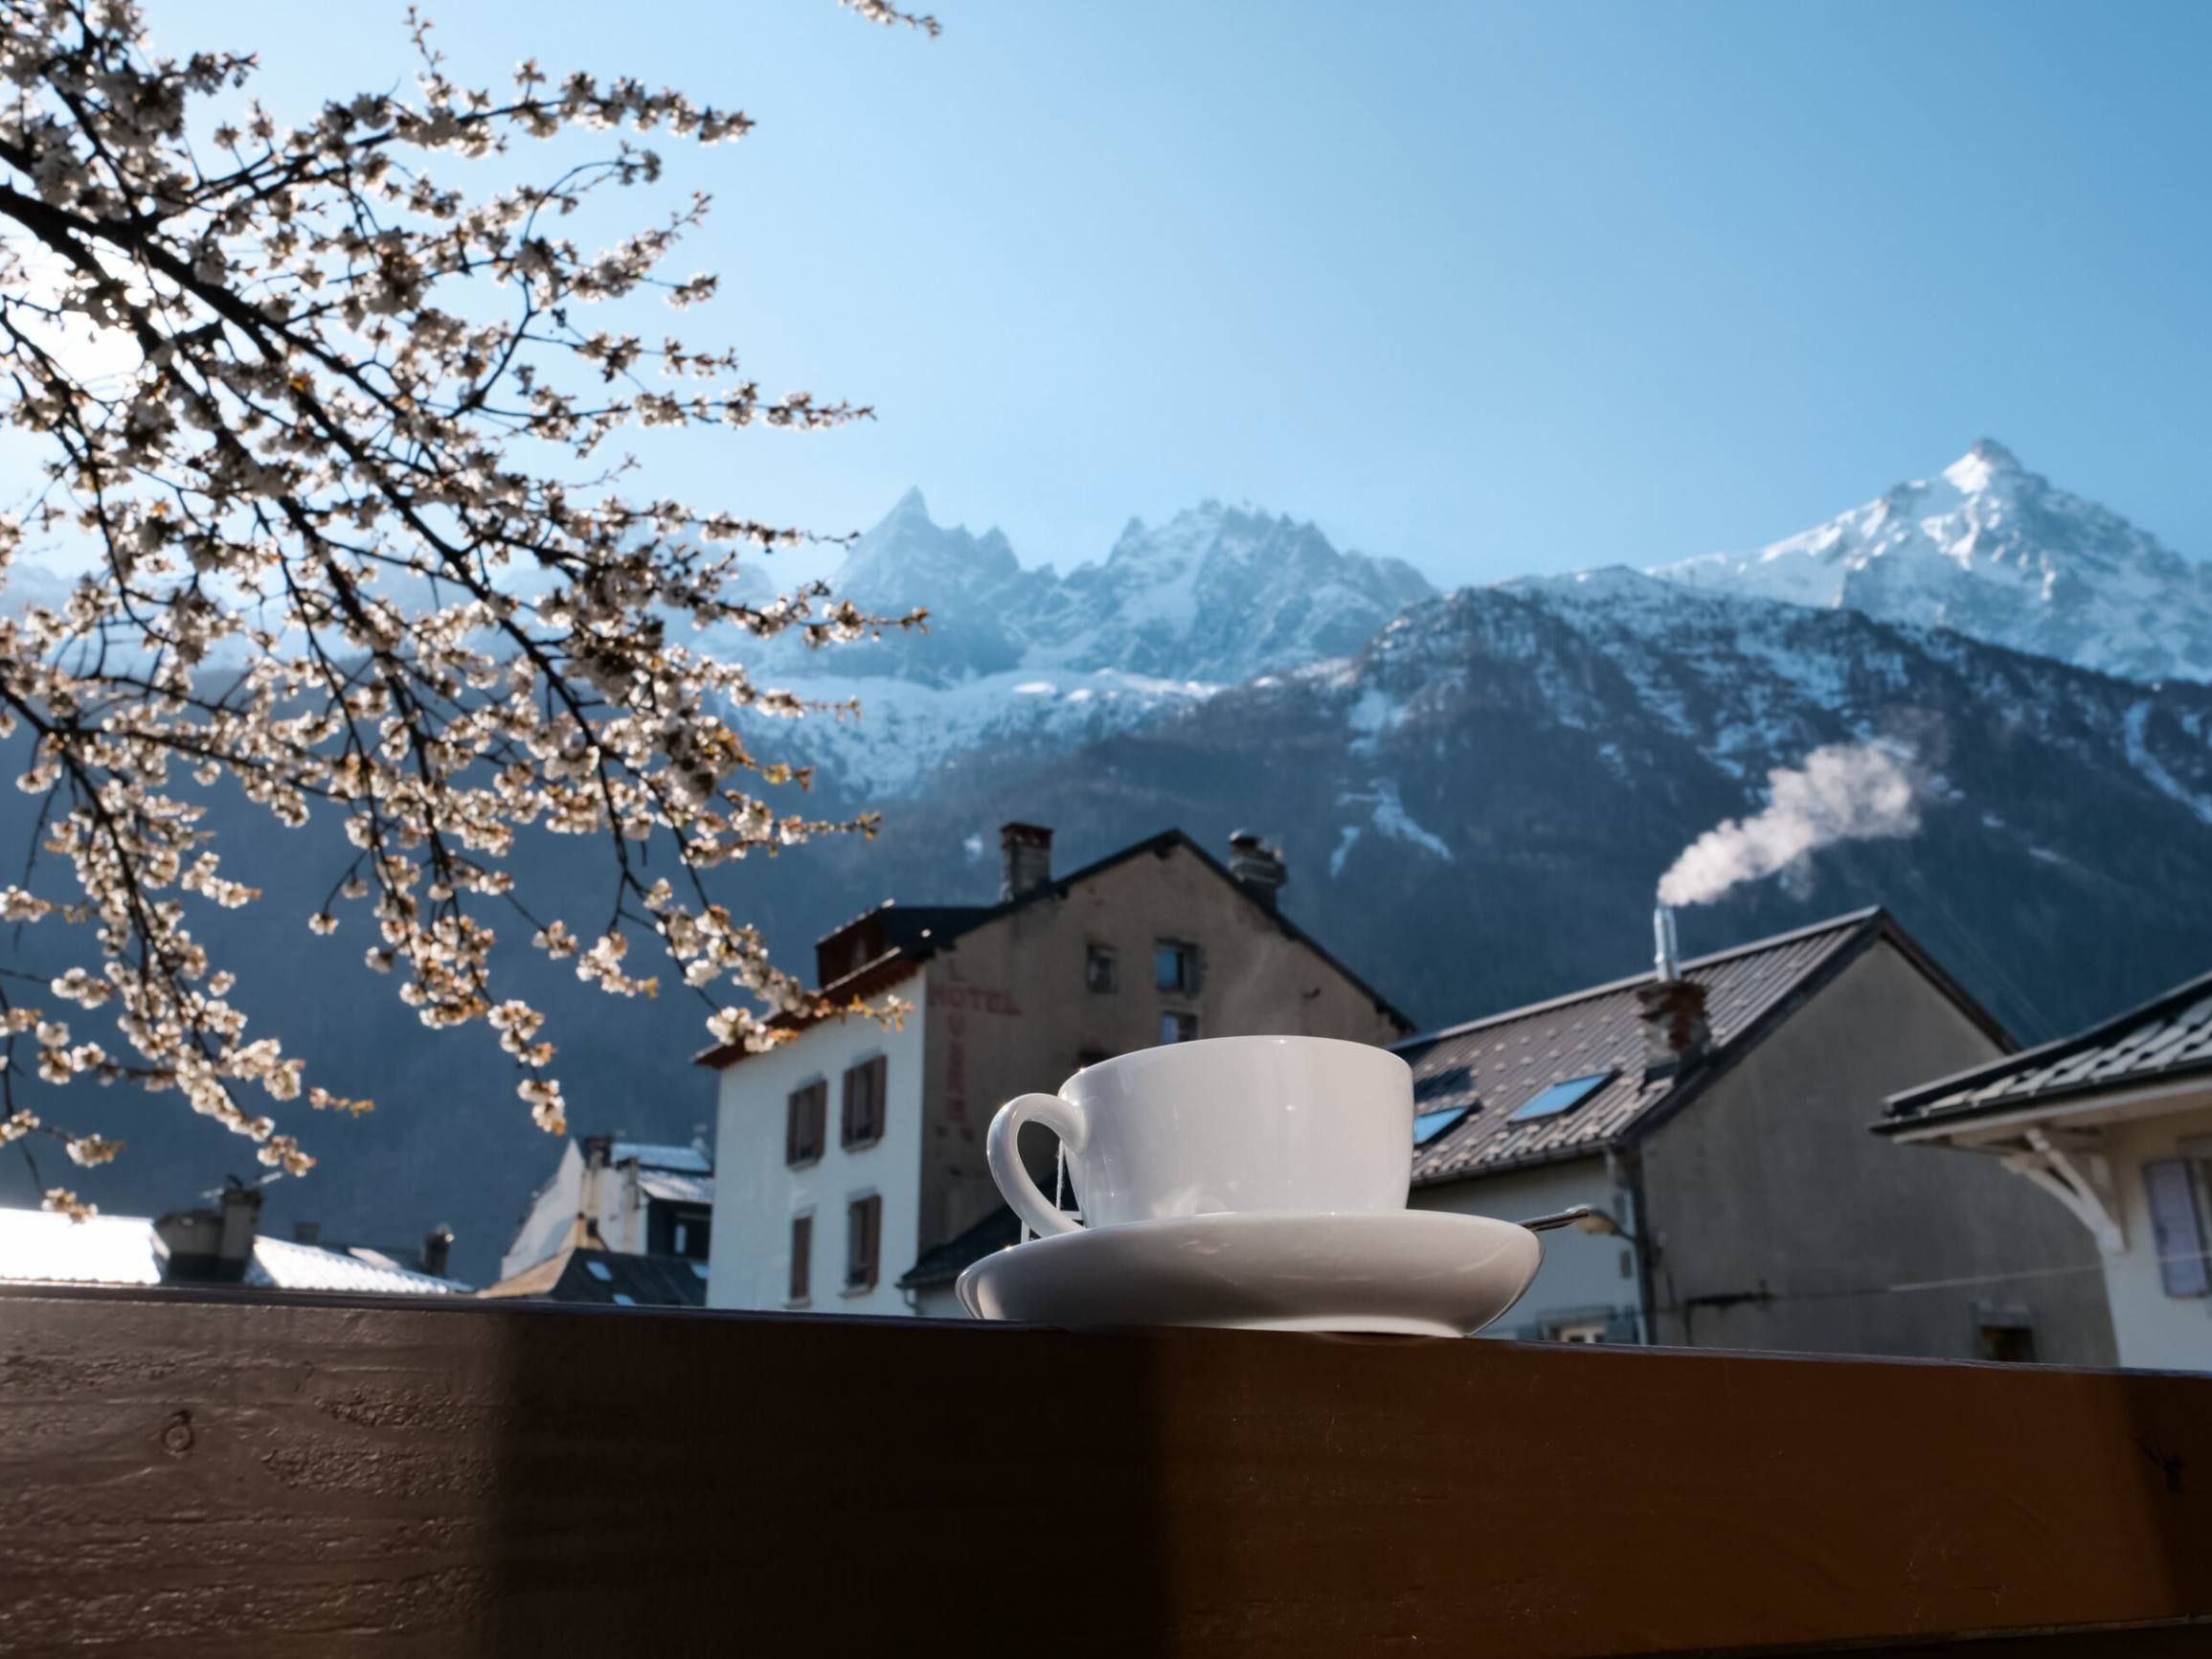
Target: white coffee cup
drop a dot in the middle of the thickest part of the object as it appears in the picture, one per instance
(1256, 1123)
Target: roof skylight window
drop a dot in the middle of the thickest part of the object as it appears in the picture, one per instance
(1560, 1096)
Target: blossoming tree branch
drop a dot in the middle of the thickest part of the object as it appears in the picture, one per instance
(361, 545)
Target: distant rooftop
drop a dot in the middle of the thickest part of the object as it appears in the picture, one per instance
(607, 1278)
(2166, 1039)
(1496, 1066)
(37, 1247)
(655, 1155)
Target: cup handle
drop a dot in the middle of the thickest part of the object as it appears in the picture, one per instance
(1002, 1149)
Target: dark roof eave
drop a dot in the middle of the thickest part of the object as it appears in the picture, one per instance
(1570, 1154)
(870, 978)
(2065, 1094)
(1907, 1104)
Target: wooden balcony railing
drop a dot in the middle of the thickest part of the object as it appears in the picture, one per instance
(224, 1477)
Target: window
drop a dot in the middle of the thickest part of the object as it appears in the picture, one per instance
(861, 1116)
(1451, 1080)
(804, 1114)
(1430, 1126)
(1175, 967)
(863, 1240)
(599, 1270)
(1590, 1331)
(802, 1258)
(1561, 1098)
(690, 1237)
(624, 1299)
(2014, 1344)
(2178, 1226)
(1098, 968)
(1178, 1027)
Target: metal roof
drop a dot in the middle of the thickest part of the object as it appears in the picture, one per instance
(650, 1155)
(675, 1186)
(1497, 1065)
(2165, 1038)
(37, 1246)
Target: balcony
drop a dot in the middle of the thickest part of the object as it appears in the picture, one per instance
(220, 1475)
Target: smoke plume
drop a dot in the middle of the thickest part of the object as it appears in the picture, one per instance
(1844, 793)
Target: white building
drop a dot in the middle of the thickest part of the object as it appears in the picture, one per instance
(852, 1153)
(2114, 1127)
(632, 1198)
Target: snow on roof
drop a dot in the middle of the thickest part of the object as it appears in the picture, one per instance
(652, 1156)
(37, 1247)
(675, 1187)
(288, 1266)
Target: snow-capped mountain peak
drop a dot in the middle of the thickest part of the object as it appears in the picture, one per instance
(1215, 596)
(1990, 549)
(1977, 470)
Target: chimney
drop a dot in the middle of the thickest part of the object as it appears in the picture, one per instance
(1257, 867)
(1666, 962)
(436, 1250)
(599, 1150)
(210, 1246)
(1672, 1009)
(1025, 858)
(307, 1232)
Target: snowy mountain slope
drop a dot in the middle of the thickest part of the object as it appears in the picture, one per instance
(1022, 657)
(1994, 551)
(1477, 807)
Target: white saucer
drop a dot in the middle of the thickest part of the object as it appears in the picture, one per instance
(1408, 1272)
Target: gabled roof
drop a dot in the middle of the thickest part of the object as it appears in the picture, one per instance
(39, 1247)
(1497, 1065)
(2165, 1039)
(608, 1278)
(915, 933)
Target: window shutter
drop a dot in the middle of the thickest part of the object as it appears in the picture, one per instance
(871, 1225)
(793, 1126)
(845, 1102)
(878, 1078)
(817, 1116)
(2176, 1229)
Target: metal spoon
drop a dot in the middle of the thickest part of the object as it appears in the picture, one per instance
(1564, 1219)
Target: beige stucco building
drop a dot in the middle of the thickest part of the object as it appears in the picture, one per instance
(851, 1158)
(2112, 1129)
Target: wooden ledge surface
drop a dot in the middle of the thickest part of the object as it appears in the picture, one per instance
(222, 1476)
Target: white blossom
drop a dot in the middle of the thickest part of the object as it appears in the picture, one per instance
(361, 554)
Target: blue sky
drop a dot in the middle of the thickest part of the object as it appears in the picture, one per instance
(1492, 287)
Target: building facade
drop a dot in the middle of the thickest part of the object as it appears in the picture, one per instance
(2113, 1130)
(854, 1150)
(1714, 1119)
(633, 1197)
